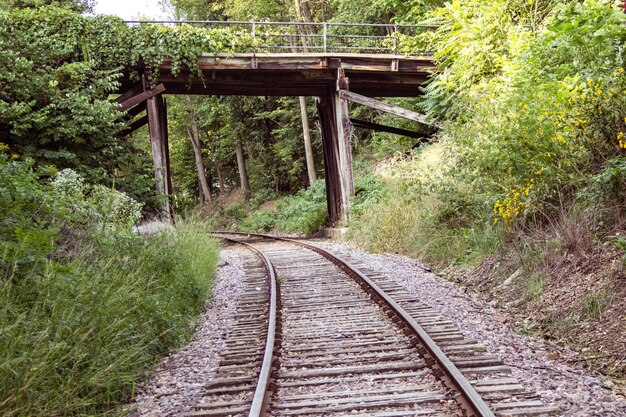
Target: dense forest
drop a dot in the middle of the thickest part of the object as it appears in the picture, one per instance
(524, 178)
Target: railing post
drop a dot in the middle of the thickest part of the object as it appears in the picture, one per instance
(395, 39)
(325, 37)
(254, 36)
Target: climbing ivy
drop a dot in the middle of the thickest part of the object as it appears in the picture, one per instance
(111, 44)
(57, 71)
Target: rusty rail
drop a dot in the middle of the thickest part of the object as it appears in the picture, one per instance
(470, 400)
(259, 401)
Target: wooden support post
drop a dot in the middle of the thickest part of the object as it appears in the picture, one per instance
(157, 122)
(344, 143)
(308, 148)
(326, 115)
(169, 191)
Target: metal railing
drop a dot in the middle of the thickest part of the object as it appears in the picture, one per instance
(304, 37)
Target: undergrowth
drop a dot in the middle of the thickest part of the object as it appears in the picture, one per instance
(304, 212)
(86, 307)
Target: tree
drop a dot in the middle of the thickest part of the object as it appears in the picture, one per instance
(194, 137)
(54, 89)
(78, 6)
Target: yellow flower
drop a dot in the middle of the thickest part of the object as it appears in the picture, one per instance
(620, 135)
(3, 147)
(15, 155)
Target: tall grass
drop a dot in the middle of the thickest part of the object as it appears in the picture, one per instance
(412, 215)
(75, 338)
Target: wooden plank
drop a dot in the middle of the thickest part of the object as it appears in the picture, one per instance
(360, 369)
(130, 92)
(356, 402)
(379, 105)
(139, 108)
(141, 97)
(389, 129)
(135, 125)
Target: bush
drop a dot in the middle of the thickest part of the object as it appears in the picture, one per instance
(535, 126)
(304, 212)
(25, 239)
(78, 328)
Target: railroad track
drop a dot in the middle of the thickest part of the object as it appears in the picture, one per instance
(315, 336)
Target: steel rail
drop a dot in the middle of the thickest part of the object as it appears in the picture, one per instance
(259, 401)
(471, 400)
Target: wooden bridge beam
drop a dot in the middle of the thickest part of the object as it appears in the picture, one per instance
(326, 115)
(364, 124)
(336, 139)
(157, 123)
(379, 105)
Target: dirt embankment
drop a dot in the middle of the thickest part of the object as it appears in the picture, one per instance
(571, 295)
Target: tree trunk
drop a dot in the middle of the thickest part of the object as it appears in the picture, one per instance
(308, 149)
(220, 177)
(243, 174)
(205, 192)
(194, 137)
(304, 13)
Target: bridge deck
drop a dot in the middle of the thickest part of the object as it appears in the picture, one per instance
(301, 74)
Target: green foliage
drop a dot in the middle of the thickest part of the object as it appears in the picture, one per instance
(382, 11)
(533, 124)
(259, 221)
(534, 289)
(78, 6)
(304, 212)
(369, 191)
(25, 239)
(85, 306)
(77, 336)
(592, 305)
(57, 70)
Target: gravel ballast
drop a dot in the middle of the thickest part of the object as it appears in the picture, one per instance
(576, 391)
(180, 379)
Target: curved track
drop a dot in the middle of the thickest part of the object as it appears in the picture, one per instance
(351, 344)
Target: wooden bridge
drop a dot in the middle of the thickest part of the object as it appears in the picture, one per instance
(336, 63)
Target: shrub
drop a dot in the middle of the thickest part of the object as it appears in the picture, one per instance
(304, 212)
(26, 230)
(85, 306)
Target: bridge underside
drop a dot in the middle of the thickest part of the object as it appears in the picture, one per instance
(301, 75)
(323, 76)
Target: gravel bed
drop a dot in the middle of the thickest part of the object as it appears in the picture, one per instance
(179, 381)
(576, 391)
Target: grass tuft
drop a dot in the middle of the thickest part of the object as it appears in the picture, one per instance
(75, 338)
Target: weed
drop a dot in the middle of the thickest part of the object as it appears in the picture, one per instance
(534, 288)
(85, 306)
(592, 305)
